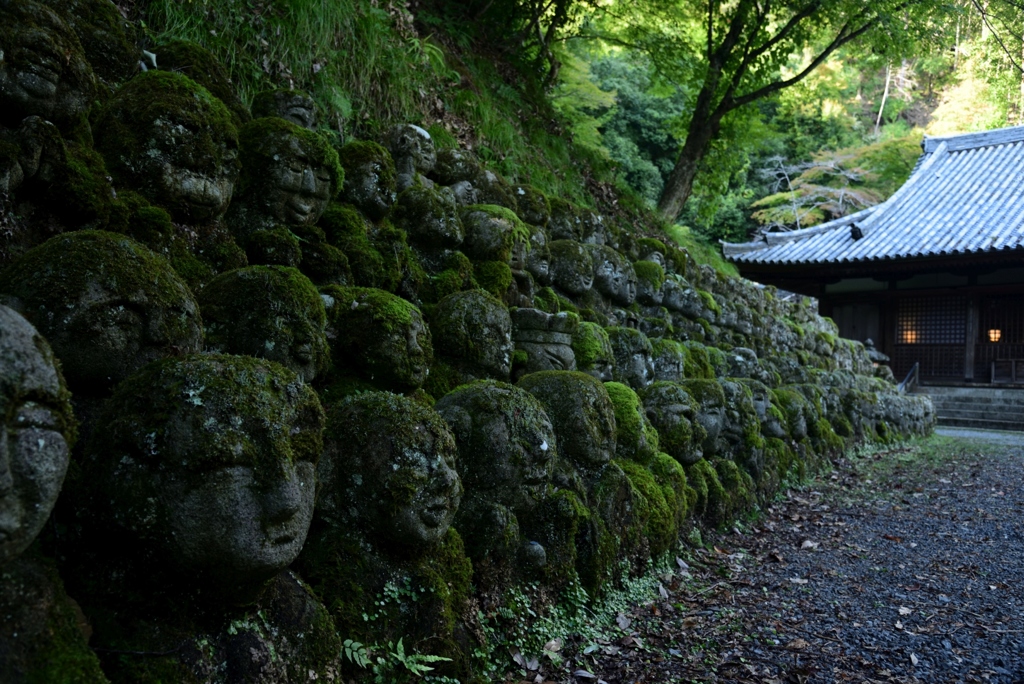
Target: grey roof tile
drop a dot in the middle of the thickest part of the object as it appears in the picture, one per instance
(966, 194)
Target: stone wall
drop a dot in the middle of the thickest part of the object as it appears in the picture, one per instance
(265, 391)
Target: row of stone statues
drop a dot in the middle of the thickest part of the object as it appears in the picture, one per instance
(265, 390)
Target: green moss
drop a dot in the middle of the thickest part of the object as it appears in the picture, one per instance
(651, 273)
(698, 362)
(738, 487)
(377, 336)
(346, 229)
(271, 312)
(645, 246)
(671, 477)
(709, 301)
(705, 392)
(443, 378)
(493, 276)
(636, 438)
(590, 345)
(533, 205)
(201, 66)
(547, 300)
(565, 305)
(491, 231)
(659, 523)
(126, 129)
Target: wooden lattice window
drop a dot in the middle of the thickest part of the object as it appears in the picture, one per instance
(931, 320)
(1001, 321)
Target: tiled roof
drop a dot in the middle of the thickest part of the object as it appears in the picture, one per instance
(966, 195)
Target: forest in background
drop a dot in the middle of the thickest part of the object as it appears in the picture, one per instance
(593, 99)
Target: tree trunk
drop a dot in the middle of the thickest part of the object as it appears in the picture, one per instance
(680, 183)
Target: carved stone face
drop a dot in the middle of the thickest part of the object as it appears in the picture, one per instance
(120, 306)
(634, 362)
(710, 400)
(167, 137)
(581, 412)
(378, 336)
(571, 268)
(270, 312)
(389, 470)
(208, 462)
(593, 351)
(43, 70)
(34, 436)
(614, 277)
(231, 523)
(674, 414)
(291, 105)
(369, 178)
(506, 443)
(298, 188)
(412, 149)
(474, 329)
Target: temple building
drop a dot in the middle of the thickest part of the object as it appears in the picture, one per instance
(934, 275)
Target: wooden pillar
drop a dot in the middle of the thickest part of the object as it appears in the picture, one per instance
(972, 336)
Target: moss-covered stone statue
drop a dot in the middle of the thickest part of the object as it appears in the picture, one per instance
(670, 359)
(291, 105)
(40, 636)
(195, 495)
(634, 361)
(741, 430)
(508, 454)
(382, 553)
(710, 401)
(269, 312)
(545, 340)
(593, 350)
(413, 152)
(369, 178)
(289, 174)
(44, 71)
(167, 137)
(636, 438)
(614, 276)
(673, 413)
(120, 306)
(377, 340)
(582, 413)
(571, 268)
(472, 335)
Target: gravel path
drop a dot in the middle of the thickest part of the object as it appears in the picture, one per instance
(900, 566)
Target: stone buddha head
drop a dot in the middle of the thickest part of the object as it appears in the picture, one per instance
(673, 412)
(107, 305)
(378, 336)
(506, 443)
(474, 329)
(289, 174)
(35, 436)
(205, 465)
(270, 312)
(582, 414)
(43, 71)
(166, 137)
(388, 471)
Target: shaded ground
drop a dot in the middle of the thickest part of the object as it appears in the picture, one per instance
(905, 565)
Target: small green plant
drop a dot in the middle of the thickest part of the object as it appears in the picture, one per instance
(394, 663)
(356, 653)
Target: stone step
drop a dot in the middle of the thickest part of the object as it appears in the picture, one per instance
(978, 407)
(982, 424)
(968, 414)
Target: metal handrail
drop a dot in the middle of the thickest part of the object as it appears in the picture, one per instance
(912, 379)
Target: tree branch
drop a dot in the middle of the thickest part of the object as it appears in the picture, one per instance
(984, 18)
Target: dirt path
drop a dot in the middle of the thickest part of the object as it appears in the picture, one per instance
(901, 566)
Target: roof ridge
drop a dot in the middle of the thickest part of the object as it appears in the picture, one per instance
(967, 141)
(905, 188)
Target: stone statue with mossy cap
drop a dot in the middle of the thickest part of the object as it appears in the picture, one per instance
(194, 496)
(36, 435)
(389, 491)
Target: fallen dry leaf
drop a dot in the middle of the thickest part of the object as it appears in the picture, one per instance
(797, 644)
(808, 544)
(898, 625)
(892, 538)
(797, 580)
(905, 611)
(913, 659)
